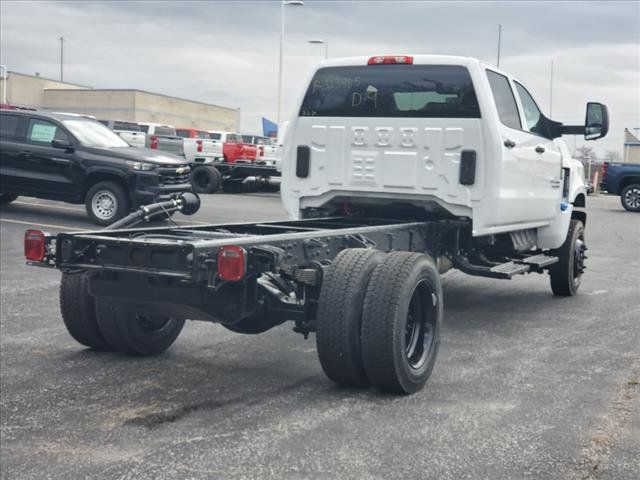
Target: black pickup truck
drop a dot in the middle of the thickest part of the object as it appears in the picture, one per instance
(76, 159)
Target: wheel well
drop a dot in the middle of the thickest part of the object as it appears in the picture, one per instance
(625, 182)
(94, 178)
(580, 215)
(579, 201)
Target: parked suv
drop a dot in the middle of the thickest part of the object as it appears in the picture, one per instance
(79, 160)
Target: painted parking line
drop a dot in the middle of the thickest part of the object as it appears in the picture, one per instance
(49, 206)
(46, 225)
(42, 205)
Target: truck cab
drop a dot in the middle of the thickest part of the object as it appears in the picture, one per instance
(162, 137)
(198, 147)
(444, 133)
(130, 132)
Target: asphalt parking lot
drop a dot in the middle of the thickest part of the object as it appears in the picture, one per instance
(526, 385)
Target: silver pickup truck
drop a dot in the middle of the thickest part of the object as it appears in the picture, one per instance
(162, 137)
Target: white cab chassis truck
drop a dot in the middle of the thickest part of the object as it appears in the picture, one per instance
(395, 169)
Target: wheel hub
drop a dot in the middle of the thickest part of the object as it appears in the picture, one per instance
(579, 258)
(104, 204)
(632, 197)
(419, 331)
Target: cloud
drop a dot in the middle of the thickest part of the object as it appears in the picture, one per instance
(227, 52)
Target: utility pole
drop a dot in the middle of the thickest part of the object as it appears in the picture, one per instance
(61, 58)
(551, 91)
(499, 41)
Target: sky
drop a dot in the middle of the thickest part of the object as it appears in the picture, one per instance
(226, 52)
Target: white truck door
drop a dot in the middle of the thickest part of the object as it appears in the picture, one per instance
(516, 187)
(544, 155)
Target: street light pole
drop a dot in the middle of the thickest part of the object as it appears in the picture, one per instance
(551, 91)
(499, 42)
(322, 42)
(61, 58)
(282, 5)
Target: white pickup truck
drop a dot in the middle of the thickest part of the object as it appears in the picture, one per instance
(198, 147)
(130, 132)
(395, 169)
(162, 137)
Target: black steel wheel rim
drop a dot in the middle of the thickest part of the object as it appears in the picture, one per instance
(578, 259)
(419, 337)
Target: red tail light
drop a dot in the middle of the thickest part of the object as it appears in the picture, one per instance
(605, 165)
(391, 59)
(153, 142)
(261, 151)
(199, 145)
(34, 245)
(231, 263)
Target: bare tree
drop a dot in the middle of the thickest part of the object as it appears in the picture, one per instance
(612, 156)
(585, 154)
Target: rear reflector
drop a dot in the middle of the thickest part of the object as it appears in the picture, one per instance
(231, 263)
(391, 59)
(34, 245)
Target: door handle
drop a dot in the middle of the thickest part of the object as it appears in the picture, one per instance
(25, 154)
(509, 143)
(540, 149)
(61, 161)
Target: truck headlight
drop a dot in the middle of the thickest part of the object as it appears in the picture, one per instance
(141, 166)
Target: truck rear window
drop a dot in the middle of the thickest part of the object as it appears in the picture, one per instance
(165, 131)
(126, 126)
(391, 91)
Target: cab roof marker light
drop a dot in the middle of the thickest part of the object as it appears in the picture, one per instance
(391, 60)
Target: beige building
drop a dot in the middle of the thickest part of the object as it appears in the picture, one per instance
(116, 104)
(28, 90)
(631, 147)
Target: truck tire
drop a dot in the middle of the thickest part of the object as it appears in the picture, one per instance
(127, 331)
(566, 275)
(250, 186)
(630, 197)
(339, 315)
(79, 311)
(232, 186)
(106, 202)
(206, 179)
(401, 322)
(6, 199)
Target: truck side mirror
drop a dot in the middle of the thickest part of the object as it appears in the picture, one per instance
(596, 124)
(62, 144)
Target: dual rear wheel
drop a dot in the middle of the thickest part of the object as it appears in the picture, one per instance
(106, 325)
(379, 319)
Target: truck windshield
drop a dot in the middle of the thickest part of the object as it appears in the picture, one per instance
(391, 91)
(93, 134)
